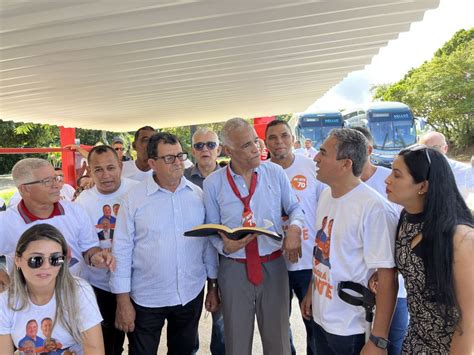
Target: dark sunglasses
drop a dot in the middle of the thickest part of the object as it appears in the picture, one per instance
(209, 145)
(118, 149)
(35, 262)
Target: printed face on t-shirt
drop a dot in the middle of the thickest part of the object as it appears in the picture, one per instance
(47, 327)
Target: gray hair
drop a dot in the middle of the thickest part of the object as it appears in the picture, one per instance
(23, 171)
(231, 125)
(351, 144)
(204, 130)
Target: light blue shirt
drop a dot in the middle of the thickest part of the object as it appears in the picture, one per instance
(272, 195)
(156, 263)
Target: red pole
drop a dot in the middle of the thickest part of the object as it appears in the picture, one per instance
(68, 136)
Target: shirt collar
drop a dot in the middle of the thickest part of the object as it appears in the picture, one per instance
(234, 174)
(195, 171)
(152, 187)
(28, 217)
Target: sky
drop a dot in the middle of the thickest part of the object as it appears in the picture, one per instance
(420, 43)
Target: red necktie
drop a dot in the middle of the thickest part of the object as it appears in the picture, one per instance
(254, 265)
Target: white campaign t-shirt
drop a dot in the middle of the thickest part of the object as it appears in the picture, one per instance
(302, 176)
(93, 203)
(130, 171)
(74, 224)
(14, 323)
(377, 182)
(356, 235)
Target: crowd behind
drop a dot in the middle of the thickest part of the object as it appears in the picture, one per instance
(379, 259)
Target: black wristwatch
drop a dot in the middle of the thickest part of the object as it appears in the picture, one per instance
(379, 342)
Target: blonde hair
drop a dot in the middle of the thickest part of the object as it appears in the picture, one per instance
(66, 286)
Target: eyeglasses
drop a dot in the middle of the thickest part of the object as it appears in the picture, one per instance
(209, 145)
(35, 262)
(118, 149)
(48, 182)
(169, 159)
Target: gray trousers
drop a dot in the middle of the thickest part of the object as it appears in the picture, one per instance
(241, 301)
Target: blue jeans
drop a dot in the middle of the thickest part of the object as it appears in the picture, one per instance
(299, 282)
(331, 344)
(398, 329)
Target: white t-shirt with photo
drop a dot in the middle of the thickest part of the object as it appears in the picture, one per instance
(302, 176)
(15, 323)
(93, 203)
(356, 235)
(131, 171)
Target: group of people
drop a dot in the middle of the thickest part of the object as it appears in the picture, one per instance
(115, 262)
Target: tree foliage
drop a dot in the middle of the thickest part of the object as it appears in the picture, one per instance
(442, 89)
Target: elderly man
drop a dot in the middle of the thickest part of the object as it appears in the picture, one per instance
(205, 151)
(356, 235)
(252, 273)
(301, 172)
(139, 169)
(109, 190)
(39, 187)
(161, 273)
(462, 172)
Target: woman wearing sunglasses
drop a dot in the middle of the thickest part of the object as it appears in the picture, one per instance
(433, 252)
(42, 289)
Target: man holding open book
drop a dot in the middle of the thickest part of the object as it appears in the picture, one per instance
(253, 280)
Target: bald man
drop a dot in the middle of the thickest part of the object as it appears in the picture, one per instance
(461, 171)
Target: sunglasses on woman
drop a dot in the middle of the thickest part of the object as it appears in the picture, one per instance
(417, 148)
(35, 262)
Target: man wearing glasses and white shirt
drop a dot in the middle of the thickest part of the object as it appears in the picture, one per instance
(161, 273)
(206, 149)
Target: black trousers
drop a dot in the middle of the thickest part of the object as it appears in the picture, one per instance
(113, 338)
(181, 331)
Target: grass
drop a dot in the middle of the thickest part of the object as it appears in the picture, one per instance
(7, 194)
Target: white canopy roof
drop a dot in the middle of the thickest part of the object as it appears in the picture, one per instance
(118, 65)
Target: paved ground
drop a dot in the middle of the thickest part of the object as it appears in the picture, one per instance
(205, 325)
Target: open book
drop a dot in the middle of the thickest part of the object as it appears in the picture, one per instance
(238, 233)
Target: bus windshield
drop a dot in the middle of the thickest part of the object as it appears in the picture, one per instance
(316, 133)
(392, 135)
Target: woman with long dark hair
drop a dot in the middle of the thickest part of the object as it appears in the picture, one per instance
(46, 309)
(434, 248)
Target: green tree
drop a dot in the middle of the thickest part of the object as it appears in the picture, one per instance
(441, 89)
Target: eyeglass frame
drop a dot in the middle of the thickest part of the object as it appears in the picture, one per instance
(55, 260)
(49, 181)
(211, 145)
(166, 158)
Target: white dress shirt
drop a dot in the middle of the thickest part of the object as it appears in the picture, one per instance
(156, 263)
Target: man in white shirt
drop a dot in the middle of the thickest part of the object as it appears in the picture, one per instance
(139, 169)
(161, 273)
(310, 151)
(301, 172)
(109, 190)
(375, 176)
(462, 172)
(253, 279)
(356, 234)
(40, 191)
